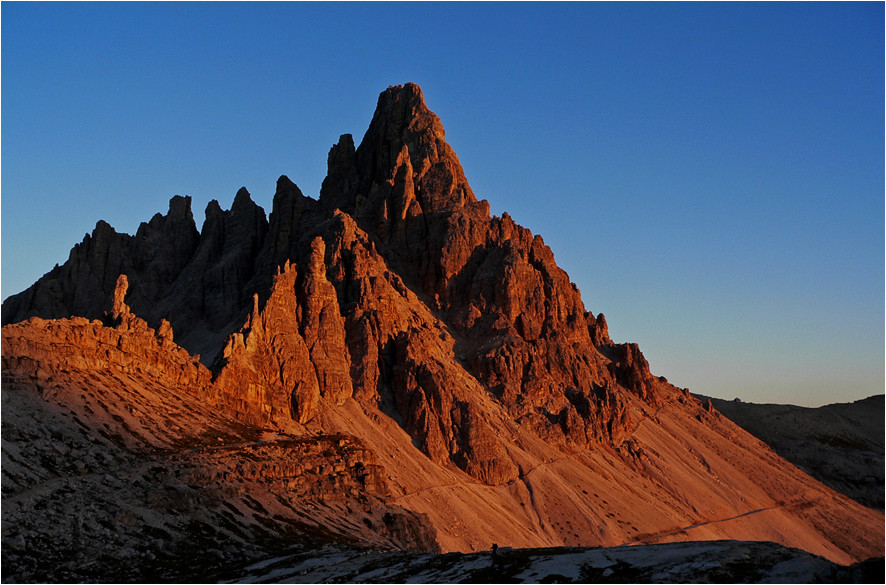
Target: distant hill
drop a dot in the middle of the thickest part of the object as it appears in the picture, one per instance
(841, 445)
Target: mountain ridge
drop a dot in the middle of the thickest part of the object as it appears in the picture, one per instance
(396, 312)
(453, 252)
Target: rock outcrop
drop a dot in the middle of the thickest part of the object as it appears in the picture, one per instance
(395, 309)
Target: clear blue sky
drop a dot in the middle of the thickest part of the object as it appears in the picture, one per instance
(711, 176)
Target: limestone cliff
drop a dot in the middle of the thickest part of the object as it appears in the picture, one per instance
(395, 310)
(397, 246)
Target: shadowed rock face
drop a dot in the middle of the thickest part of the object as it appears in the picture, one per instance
(396, 310)
(198, 281)
(841, 445)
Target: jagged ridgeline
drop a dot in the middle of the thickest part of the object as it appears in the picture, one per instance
(443, 343)
(396, 287)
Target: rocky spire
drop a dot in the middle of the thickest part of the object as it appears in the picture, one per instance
(402, 166)
(120, 309)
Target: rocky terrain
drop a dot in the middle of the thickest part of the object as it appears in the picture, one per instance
(387, 366)
(691, 562)
(120, 468)
(840, 445)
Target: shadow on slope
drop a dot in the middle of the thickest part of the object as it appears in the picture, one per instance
(840, 445)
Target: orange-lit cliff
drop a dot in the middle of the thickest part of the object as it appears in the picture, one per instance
(387, 365)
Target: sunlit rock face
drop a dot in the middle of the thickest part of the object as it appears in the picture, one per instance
(397, 246)
(396, 314)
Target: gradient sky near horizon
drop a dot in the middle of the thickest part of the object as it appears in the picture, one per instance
(711, 176)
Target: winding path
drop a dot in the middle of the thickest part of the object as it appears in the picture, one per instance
(663, 534)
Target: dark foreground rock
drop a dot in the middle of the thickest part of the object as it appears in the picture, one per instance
(724, 561)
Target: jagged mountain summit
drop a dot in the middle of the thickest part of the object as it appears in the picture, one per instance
(396, 227)
(395, 318)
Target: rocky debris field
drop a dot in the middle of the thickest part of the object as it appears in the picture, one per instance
(79, 506)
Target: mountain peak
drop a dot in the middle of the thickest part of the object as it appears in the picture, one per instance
(402, 109)
(409, 92)
(393, 350)
(408, 89)
(402, 118)
(403, 163)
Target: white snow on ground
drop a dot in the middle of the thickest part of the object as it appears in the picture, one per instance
(719, 561)
(567, 565)
(462, 567)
